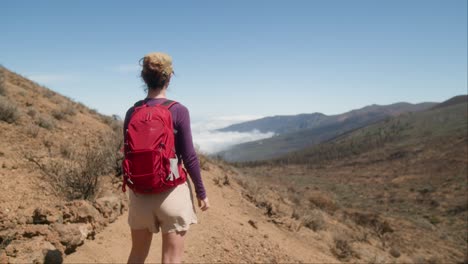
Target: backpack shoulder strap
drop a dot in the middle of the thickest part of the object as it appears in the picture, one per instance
(139, 103)
(168, 104)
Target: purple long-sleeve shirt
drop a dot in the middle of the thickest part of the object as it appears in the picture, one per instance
(183, 141)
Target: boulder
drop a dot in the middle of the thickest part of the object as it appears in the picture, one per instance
(3, 258)
(46, 215)
(110, 207)
(72, 235)
(81, 211)
(34, 250)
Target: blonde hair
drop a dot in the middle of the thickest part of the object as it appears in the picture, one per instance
(157, 70)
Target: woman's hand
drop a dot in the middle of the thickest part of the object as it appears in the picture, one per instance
(204, 204)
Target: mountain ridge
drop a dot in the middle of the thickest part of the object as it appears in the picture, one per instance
(306, 120)
(319, 130)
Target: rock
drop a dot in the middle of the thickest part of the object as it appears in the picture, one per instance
(3, 258)
(34, 250)
(34, 230)
(110, 207)
(53, 256)
(80, 211)
(253, 224)
(30, 231)
(45, 215)
(395, 252)
(72, 235)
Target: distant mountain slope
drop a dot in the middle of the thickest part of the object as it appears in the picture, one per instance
(283, 124)
(310, 132)
(409, 128)
(278, 124)
(453, 101)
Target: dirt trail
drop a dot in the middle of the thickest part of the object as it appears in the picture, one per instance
(223, 234)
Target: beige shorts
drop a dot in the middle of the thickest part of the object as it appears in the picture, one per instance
(171, 211)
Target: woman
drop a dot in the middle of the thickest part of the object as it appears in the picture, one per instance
(172, 211)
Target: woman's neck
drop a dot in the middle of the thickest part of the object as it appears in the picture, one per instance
(159, 93)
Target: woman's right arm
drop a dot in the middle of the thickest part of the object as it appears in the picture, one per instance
(187, 151)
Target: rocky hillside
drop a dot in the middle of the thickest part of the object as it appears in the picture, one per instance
(58, 162)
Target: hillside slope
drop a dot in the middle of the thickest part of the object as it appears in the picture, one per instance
(293, 123)
(297, 135)
(453, 101)
(45, 125)
(412, 167)
(58, 161)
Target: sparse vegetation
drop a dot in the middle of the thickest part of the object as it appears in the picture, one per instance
(31, 112)
(8, 111)
(32, 130)
(314, 220)
(48, 93)
(45, 122)
(203, 162)
(57, 114)
(400, 182)
(76, 175)
(64, 111)
(372, 221)
(322, 201)
(342, 249)
(2, 82)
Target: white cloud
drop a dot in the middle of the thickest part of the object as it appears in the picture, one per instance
(210, 141)
(212, 123)
(214, 141)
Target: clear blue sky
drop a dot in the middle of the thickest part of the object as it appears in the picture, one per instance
(243, 57)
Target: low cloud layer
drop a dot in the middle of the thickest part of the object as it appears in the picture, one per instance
(210, 141)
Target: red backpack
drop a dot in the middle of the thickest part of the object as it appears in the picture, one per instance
(150, 164)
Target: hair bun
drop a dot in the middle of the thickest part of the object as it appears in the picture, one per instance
(157, 69)
(158, 63)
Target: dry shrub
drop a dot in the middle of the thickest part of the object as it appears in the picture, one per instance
(342, 249)
(115, 142)
(32, 130)
(203, 162)
(372, 221)
(48, 93)
(69, 109)
(65, 111)
(220, 181)
(80, 107)
(93, 111)
(66, 150)
(314, 220)
(322, 201)
(57, 114)
(45, 122)
(2, 82)
(77, 177)
(8, 111)
(31, 112)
